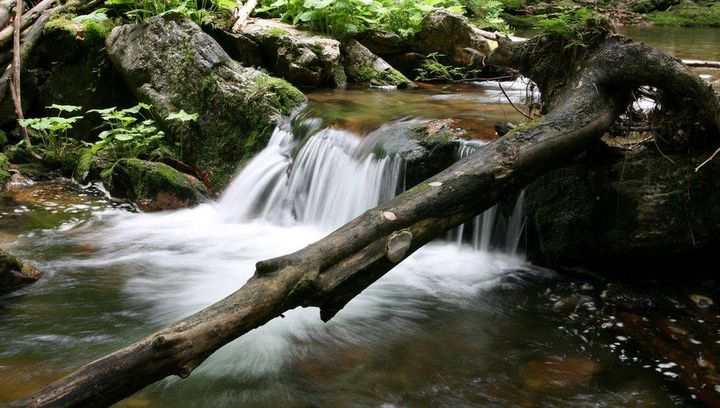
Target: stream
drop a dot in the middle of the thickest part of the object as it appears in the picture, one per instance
(465, 321)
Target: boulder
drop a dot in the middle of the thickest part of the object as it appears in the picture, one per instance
(153, 186)
(15, 273)
(451, 35)
(625, 209)
(302, 58)
(169, 62)
(364, 67)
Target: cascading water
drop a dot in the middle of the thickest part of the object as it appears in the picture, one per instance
(333, 177)
(490, 230)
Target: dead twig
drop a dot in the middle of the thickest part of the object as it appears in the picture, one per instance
(711, 158)
(511, 102)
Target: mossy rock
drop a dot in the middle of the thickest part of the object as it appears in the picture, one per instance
(90, 163)
(82, 74)
(153, 186)
(4, 171)
(304, 59)
(15, 273)
(172, 64)
(628, 208)
(365, 68)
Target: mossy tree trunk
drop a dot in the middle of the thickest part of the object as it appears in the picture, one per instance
(332, 271)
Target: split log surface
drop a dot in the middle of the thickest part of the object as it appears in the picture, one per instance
(332, 271)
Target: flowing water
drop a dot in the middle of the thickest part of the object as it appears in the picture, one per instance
(464, 321)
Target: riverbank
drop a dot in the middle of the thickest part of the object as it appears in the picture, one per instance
(525, 14)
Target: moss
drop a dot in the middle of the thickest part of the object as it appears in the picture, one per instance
(688, 14)
(4, 170)
(90, 32)
(368, 75)
(512, 5)
(3, 138)
(84, 163)
(139, 179)
(277, 32)
(521, 21)
(282, 95)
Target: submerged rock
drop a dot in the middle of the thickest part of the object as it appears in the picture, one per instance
(172, 64)
(304, 59)
(636, 208)
(153, 186)
(15, 273)
(364, 67)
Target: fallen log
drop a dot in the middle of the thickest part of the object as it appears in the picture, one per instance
(329, 273)
(702, 64)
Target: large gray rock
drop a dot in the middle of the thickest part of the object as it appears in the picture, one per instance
(14, 273)
(304, 59)
(172, 64)
(625, 209)
(451, 35)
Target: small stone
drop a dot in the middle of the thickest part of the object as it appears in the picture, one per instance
(702, 301)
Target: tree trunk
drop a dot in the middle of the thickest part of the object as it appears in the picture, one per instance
(332, 271)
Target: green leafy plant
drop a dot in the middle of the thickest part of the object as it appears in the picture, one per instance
(130, 132)
(341, 17)
(487, 14)
(51, 131)
(433, 70)
(198, 11)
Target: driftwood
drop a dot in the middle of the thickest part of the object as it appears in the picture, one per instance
(332, 271)
(241, 14)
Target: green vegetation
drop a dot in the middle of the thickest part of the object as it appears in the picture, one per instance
(341, 17)
(200, 12)
(52, 132)
(4, 171)
(432, 69)
(571, 25)
(128, 133)
(689, 14)
(92, 28)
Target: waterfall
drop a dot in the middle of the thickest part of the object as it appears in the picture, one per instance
(490, 230)
(325, 180)
(326, 177)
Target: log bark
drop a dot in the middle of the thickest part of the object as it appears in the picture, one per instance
(332, 271)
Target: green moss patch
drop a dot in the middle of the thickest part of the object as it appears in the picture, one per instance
(689, 14)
